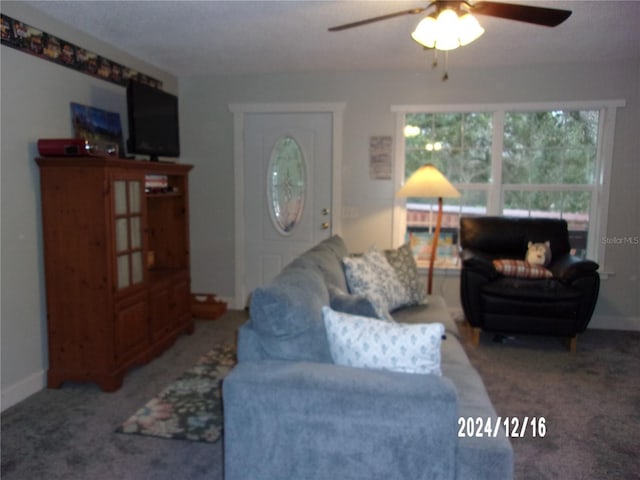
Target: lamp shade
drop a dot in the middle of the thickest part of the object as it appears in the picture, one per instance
(426, 32)
(469, 29)
(427, 181)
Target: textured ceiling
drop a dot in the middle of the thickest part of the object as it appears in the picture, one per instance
(245, 37)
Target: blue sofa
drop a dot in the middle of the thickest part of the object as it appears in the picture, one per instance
(291, 413)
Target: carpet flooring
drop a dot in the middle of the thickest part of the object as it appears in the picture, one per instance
(590, 400)
(69, 433)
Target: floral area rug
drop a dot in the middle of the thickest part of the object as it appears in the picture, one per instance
(191, 407)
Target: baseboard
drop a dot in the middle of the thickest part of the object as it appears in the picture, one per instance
(23, 389)
(230, 301)
(607, 322)
(234, 304)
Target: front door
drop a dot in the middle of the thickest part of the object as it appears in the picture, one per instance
(287, 190)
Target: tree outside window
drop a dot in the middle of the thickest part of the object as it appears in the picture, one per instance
(546, 167)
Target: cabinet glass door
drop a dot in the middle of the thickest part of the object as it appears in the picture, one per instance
(128, 232)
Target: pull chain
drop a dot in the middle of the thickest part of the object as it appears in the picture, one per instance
(445, 77)
(434, 64)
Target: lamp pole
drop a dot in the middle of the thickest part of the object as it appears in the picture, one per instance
(434, 246)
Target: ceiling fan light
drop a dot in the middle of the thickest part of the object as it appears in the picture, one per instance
(447, 31)
(426, 32)
(469, 29)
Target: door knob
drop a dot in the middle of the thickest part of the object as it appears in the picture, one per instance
(325, 225)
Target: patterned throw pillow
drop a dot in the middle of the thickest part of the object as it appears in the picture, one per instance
(404, 264)
(370, 343)
(520, 268)
(397, 294)
(372, 276)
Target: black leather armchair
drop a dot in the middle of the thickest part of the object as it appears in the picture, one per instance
(560, 306)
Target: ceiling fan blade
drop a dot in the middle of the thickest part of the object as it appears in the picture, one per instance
(413, 11)
(549, 17)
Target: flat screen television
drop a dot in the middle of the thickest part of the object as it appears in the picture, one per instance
(153, 122)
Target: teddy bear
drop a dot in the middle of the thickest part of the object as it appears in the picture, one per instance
(538, 253)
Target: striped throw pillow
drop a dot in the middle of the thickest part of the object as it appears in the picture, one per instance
(520, 268)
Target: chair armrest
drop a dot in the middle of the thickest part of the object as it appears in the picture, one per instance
(568, 268)
(479, 262)
(314, 420)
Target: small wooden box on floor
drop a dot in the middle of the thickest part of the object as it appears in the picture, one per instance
(205, 306)
(109, 307)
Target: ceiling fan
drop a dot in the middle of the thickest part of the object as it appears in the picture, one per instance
(549, 17)
(451, 24)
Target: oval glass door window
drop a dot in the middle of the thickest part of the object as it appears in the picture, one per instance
(286, 185)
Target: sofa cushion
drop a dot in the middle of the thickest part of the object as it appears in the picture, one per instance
(404, 264)
(371, 275)
(336, 244)
(327, 257)
(310, 421)
(357, 341)
(287, 315)
(451, 352)
(434, 311)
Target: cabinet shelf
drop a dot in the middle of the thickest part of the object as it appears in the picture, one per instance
(164, 194)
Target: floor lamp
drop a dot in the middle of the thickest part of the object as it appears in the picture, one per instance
(427, 181)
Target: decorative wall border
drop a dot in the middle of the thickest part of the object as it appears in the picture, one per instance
(27, 39)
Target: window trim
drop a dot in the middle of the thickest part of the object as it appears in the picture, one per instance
(601, 188)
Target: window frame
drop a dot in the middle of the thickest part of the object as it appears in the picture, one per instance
(495, 190)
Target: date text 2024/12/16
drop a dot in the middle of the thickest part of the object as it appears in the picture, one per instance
(513, 427)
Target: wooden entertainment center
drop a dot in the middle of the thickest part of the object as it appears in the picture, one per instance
(116, 256)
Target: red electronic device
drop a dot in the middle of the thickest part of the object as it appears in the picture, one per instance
(63, 147)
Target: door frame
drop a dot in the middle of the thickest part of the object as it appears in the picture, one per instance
(239, 111)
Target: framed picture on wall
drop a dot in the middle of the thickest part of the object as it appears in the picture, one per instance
(101, 128)
(380, 157)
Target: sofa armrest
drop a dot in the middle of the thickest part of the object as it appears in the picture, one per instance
(478, 262)
(324, 421)
(568, 268)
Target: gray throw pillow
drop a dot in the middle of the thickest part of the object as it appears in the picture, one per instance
(402, 261)
(342, 301)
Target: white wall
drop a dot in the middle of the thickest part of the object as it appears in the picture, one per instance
(35, 104)
(207, 138)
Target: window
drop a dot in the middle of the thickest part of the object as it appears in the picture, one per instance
(541, 161)
(549, 168)
(459, 145)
